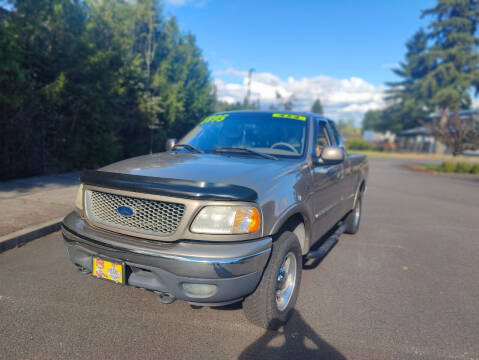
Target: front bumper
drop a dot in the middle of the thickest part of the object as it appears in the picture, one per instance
(235, 268)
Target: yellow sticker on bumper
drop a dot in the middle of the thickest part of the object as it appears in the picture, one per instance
(108, 270)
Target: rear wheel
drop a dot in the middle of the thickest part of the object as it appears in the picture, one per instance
(354, 218)
(271, 305)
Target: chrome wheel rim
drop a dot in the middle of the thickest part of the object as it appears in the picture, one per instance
(357, 213)
(286, 281)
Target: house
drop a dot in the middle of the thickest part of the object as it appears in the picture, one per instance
(420, 139)
(374, 136)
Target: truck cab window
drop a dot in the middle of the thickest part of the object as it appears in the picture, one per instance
(336, 135)
(322, 139)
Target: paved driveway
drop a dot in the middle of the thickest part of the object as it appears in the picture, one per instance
(406, 286)
(35, 201)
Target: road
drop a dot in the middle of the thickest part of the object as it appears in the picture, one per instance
(405, 287)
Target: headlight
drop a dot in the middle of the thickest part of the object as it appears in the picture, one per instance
(79, 198)
(226, 220)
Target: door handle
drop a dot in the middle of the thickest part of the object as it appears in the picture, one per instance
(337, 173)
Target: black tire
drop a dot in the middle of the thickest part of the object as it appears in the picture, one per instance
(353, 219)
(261, 306)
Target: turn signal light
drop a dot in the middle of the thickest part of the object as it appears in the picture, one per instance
(246, 220)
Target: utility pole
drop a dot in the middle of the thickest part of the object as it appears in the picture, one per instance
(248, 92)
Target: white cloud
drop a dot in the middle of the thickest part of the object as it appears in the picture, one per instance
(346, 98)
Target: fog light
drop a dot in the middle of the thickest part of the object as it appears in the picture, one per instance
(199, 290)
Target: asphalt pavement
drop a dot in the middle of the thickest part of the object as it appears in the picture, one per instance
(405, 287)
(31, 202)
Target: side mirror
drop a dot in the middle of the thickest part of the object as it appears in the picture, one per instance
(331, 155)
(170, 144)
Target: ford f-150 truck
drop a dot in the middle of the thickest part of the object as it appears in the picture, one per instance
(227, 214)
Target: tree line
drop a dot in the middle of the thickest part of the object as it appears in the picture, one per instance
(439, 74)
(86, 82)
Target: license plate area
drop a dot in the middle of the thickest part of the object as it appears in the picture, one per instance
(109, 270)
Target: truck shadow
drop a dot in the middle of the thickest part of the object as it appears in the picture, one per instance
(297, 341)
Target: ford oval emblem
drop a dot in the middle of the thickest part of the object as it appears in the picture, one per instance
(125, 211)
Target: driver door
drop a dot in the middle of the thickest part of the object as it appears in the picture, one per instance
(327, 187)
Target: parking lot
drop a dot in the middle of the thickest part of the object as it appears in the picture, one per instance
(406, 286)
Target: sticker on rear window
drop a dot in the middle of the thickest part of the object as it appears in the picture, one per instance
(290, 116)
(215, 118)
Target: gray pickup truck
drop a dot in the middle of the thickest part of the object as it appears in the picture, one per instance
(227, 214)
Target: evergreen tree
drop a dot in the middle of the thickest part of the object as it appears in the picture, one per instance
(406, 104)
(454, 67)
(317, 107)
(87, 82)
(440, 71)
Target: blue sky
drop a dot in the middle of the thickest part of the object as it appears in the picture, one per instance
(341, 51)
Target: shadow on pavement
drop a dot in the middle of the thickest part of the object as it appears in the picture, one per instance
(296, 340)
(11, 188)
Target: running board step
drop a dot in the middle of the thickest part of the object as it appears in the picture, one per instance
(327, 245)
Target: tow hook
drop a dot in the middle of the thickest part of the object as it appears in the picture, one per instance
(82, 270)
(164, 297)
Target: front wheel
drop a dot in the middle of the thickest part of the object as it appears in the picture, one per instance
(271, 305)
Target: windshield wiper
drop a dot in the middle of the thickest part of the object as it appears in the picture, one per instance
(245, 151)
(189, 147)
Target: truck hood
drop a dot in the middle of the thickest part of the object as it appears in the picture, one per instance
(250, 171)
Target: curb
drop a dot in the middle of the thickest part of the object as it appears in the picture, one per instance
(21, 237)
(419, 169)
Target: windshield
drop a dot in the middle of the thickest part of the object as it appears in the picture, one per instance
(277, 134)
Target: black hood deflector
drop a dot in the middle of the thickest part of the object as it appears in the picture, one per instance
(168, 187)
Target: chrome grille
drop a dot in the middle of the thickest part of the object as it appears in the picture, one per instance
(152, 217)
